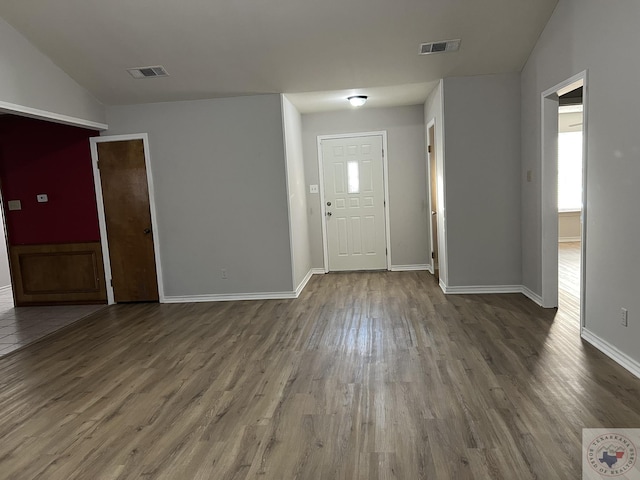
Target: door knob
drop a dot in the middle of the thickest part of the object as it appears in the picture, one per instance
(328, 204)
(147, 231)
(328, 214)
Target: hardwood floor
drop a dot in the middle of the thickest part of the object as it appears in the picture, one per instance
(365, 376)
(569, 280)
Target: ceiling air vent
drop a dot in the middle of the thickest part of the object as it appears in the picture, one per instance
(440, 47)
(148, 72)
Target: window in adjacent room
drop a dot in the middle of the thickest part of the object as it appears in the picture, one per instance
(570, 161)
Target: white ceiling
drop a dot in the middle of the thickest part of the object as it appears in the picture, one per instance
(392, 96)
(331, 48)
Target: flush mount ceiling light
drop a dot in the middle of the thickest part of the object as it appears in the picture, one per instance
(357, 100)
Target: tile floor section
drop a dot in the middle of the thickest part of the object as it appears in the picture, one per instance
(20, 326)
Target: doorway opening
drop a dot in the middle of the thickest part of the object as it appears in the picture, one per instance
(570, 138)
(50, 263)
(354, 194)
(432, 170)
(564, 195)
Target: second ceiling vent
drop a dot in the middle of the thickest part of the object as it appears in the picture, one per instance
(440, 47)
(148, 72)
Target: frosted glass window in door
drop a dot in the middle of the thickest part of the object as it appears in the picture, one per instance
(353, 176)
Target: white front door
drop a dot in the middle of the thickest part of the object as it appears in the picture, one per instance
(353, 175)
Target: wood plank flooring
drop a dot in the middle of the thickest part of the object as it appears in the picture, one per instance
(365, 376)
(569, 280)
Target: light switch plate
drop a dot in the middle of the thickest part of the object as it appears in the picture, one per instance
(42, 198)
(313, 189)
(14, 205)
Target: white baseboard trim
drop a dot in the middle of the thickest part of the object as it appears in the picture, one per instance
(236, 297)
(569, 239)
(229, 297)
(304, 282)
(479, 289)
(612, 352)
(531, 295)
(5, 288)
(465, 290)
(484, 289)
(410, 268)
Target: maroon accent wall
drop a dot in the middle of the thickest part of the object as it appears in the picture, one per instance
(42, 157)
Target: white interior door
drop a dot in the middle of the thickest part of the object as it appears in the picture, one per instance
(353, 173)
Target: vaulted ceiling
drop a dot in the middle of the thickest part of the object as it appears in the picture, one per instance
(320, 49)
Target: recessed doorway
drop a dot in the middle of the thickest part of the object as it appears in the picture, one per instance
(50, 265)
(432, 170)
(353, 195)
(555, 271)
(570, 177)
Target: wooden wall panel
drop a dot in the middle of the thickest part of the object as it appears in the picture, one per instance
(70, 273)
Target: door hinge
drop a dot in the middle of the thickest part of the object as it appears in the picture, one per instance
(111, 282)
(433, 255)
(429, 148)
(98, 164)
(383, 153)
(386, 251)
(384, 203)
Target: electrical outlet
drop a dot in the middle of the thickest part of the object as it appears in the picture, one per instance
(313, 189)
(224, 273)
(624, 317)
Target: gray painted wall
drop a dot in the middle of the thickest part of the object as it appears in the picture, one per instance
(569, 45)
(434, 111)
(220, 188)
(482, 166)
(296, 187)
(408, 207)
(30, 79)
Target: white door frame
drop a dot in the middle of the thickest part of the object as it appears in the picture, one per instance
(385, 166)
(53, 117)
(431, 123)
(549, 200)
(101, 217)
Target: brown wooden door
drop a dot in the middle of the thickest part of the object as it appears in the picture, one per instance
(433, 174)
(125, 192)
